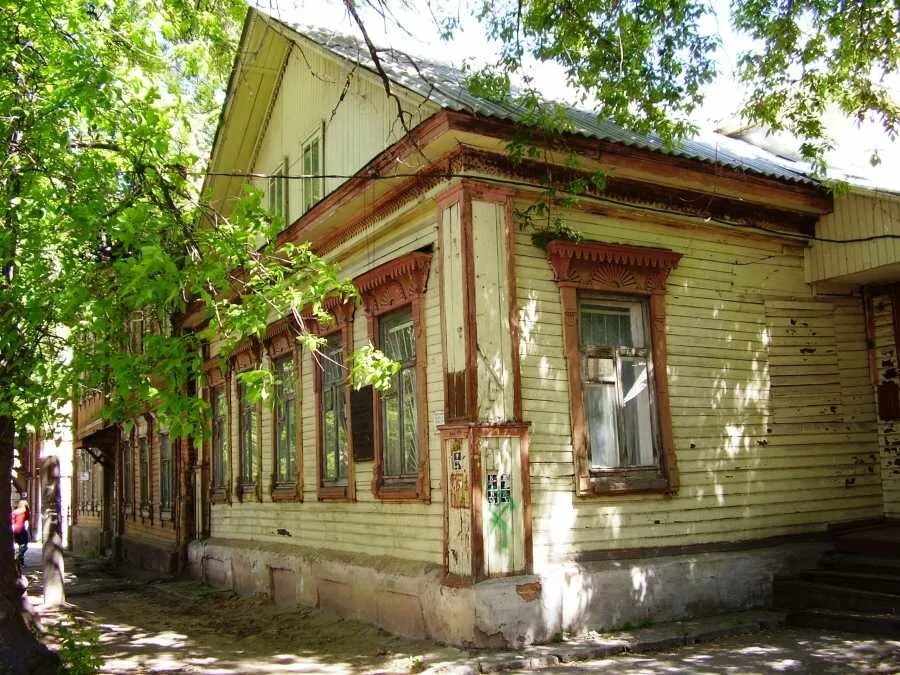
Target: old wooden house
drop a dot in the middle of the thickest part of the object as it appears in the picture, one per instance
(649, 423)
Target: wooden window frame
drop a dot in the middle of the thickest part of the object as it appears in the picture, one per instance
(625, 271)
(390, 287)
(281, 343)
(247, 357)
(166, 508)
(317, 135)
(217, 380)
(145, 464)
(128, 474)
(277, 180)
(343, 323)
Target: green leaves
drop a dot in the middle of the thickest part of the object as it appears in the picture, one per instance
(646, 64)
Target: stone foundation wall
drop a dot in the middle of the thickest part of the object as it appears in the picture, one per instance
(147, 556)
(86, 540)
(576, 597)
(408, 598)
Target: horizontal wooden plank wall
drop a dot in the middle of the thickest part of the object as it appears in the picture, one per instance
(772, 409)
(356, 128)
(888, 364)
(408, 530)
(855, 215)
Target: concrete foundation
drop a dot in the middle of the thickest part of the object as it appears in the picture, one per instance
(408, 598)
(141, 555)
(86, 540)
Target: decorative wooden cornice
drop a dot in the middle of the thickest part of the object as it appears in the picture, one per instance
(610, 267)
(212, 368)
(281, 336)
(341, 308)
(394, 284)
(246, 355)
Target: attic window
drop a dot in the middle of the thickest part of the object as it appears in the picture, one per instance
(314, 183)
(277, 190)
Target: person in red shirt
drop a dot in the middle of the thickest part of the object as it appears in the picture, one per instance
(21, 519)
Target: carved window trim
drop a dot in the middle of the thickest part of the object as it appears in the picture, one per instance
(246, 356)
(390, 287)
(627, 271)
(281, 343)
(343, 323)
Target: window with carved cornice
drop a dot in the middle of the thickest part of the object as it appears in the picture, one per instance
(613, 302)
(394, 298)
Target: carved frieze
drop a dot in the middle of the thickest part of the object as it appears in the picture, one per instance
(610, 267)
(394, 284)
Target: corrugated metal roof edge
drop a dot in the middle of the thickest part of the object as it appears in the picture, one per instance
(320, 37)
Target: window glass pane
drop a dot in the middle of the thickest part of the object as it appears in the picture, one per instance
(312, 166)
(143, 470)
(390, 404)
(334, 423)
(636, 412)
(128, 492)
(165, 468)
(285, 442)
(249, 436)
(410, 440)
(397, 339)
(603, 325)
(400, 447)
(600, 412)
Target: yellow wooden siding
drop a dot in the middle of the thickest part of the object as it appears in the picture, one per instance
(409, 530)
(357, 128)
(771, 437)
(856, 214)
(889, 431)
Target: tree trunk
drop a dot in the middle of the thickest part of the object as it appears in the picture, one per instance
(54, 569)
(20, 651)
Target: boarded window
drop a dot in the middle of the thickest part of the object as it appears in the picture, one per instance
(398, 405)
(618, 383)
(333, 415)
(285, 421)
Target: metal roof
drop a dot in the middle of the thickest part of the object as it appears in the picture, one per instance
(445, 85)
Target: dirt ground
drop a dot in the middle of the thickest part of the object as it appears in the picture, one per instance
(185, 627)
(148, 626)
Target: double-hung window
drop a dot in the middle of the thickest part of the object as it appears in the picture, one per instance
(285, 421)
(394, 298)
(128, 477)
(144, 471)
(333, 417)
(166, 473)
(219, 404)
(248, 438)
(399, 417)
(613, 305)
(617, 371)
(314, 181)
(278, 192)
